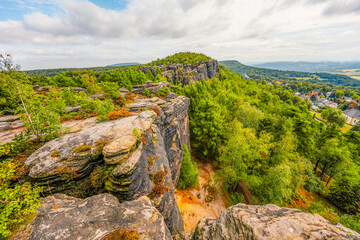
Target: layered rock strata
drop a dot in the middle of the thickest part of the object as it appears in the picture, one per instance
(142, 155)
(150, 86)
(185, 74)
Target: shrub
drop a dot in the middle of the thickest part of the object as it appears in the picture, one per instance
(16, 203)
(82, 148)
(163, 91)
(100, 145)
(55, 154)
(118, 114)
(150, 160)
(156, 109)
(188, 172)
(119, 101)
(67, 174)
(146, 93)
(122, 234)
(110, 89)
(351, 221)
(42, 120)
(159, 187)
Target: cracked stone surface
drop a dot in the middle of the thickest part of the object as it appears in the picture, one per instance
(269, 222)
(67, 218)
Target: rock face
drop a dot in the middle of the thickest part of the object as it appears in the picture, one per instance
(9, 126)
(185, 74)
(63, 217)
(139, 156)
(269, 222)
(150, 86)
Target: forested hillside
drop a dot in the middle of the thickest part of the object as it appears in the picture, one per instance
(264, 73)
(265, 142)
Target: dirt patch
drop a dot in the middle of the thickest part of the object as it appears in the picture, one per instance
(205, 200)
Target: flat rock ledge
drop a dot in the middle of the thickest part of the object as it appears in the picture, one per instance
(269, 222)
(67, 218)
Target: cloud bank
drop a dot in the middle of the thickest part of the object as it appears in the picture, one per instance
(82, 33)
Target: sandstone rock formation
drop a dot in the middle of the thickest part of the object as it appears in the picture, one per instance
(63, 217)
(185, 74)
(150, 86)
(9, 126)
(269, 222)
(139, 156)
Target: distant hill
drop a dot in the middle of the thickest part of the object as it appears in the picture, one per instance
(309, 66)
(269, 74)
(56, 71)
(351, 69)
(124, 64)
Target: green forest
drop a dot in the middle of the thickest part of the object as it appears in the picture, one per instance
(256, 135)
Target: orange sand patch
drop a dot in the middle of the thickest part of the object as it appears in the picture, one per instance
(192, 202)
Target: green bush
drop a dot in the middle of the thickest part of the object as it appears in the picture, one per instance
(146, 93)
(163, 91)
(110, 89)
(351, 221)
(16, 203)
(188, 172)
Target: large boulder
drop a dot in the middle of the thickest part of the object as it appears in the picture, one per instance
(269, 222)
(67, 218)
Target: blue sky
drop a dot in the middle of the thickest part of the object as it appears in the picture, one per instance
(85, 33)
(16, 9)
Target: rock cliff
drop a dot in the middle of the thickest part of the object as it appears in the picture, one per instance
(185, 74)
(131, 157)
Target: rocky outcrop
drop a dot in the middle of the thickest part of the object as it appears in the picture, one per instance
(150, 86)
(185, 74)
(269, 222)
(10, 123)
(9, 126)
(67, 218)
(133, 157)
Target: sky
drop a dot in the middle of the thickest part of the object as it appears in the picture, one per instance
(86, 33)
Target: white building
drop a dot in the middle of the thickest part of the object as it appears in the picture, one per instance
(352, 116)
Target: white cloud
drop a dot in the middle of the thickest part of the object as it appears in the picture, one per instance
(257, 30)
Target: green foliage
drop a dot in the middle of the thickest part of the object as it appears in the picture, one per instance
(183, 58)
(103, 108)
(334, 116)
(146, 93)
(345, 192)
(16, 203)
(330, 157)
(356, 127)
(126, 77)
(351, 221)
(43, 121)
(163, 91)
(110, 89)
(188, 171)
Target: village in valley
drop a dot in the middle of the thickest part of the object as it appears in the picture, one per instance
(320, 100)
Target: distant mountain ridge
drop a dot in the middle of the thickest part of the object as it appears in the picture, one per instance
(124, 64)
(303, 66)
(270, 74)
